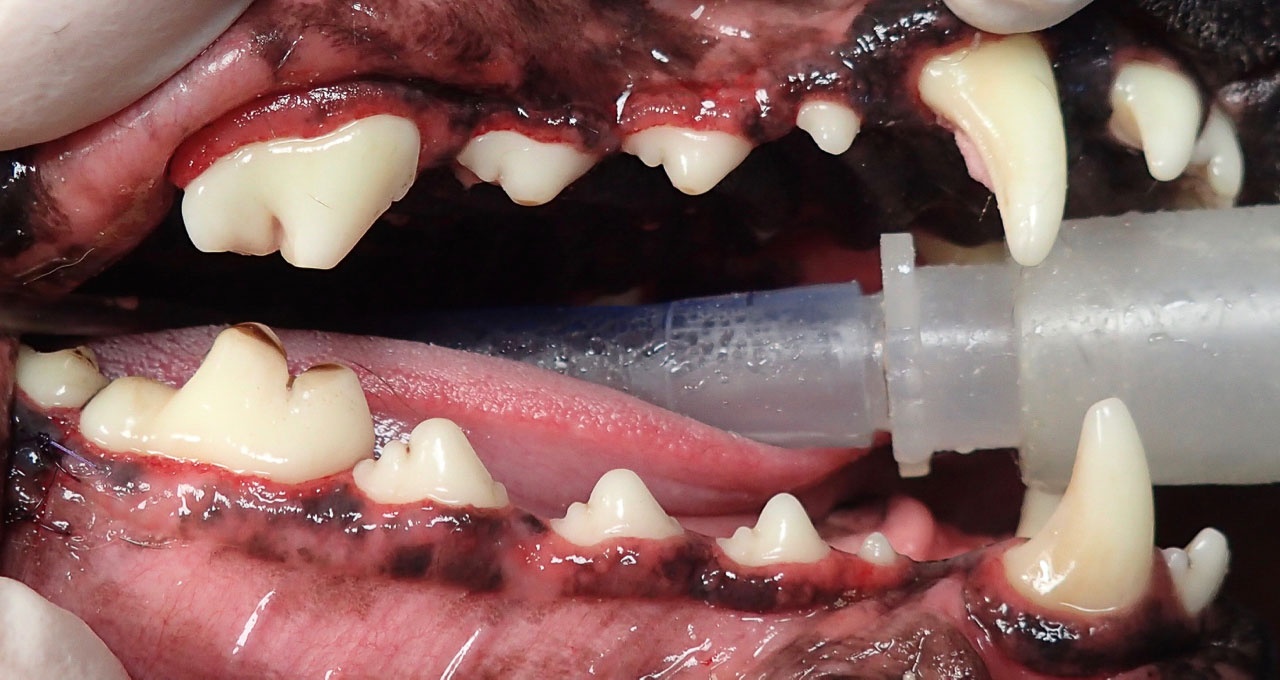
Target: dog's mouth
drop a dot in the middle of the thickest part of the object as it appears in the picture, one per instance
(222, 510)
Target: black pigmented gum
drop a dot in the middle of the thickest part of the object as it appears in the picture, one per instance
(18, 194)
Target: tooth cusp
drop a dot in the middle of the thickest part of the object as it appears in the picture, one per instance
(1157, 109)
(695, 161)
(1199, 570)
(877, 550)
(438, 464)
(529, 171)
(832, 125)
(782, 534)
(66, 378)
(620, 506)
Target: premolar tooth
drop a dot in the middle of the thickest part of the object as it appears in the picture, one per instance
(1219, 155)
(783, 534)
(833, 126)
(620, 507)
(1095, 552)
(63, 379)
(695, 161)
(1198, 571)
(877, 550)
(311, 199)
(438, 464)
(1156, 109)
(241, 411)
(1001, 96)
(531, 172)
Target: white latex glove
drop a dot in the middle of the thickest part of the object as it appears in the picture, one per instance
(39, 639)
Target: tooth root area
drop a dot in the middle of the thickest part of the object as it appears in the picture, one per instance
(1157, 109)
(438, 464)
(1220, 159)
(833, 126)
(241, 411)
(1199, 570)
(1001, 97)
(695, 161)
(63, 379)
(311, 199)
(877, 550)
(1095, 551)
(782, 534)
(529, 171)
(620, 506)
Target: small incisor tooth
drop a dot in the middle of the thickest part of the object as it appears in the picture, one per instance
(1002, 97)
(438, 464)
(877, 550)
(63, 379)
(1198, 571)
(782, 534)
(832, 125)
(531, 172)
(1156, 109)
(695, 161)
(1095, 552)
(620, 507)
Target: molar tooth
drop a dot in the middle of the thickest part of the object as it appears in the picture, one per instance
(783, 534)
(63, 379)
(695, 161)
(620, 507)
(1095, 552)
(531, 172)
(1219, 159)
(1156, 109)
(438, 464)
(241, 411)
(833, 126)
(1001, 96)
(311, 199)
(1198, 571)
(877, 550)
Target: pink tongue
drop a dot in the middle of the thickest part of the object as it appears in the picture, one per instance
(545, 436)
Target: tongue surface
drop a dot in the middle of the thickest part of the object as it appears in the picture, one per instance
(547, 437)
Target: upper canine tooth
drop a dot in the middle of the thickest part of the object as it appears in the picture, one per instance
(241, 411)
(877, 550)
(783, 534)
(620, 507)
(1156, 109)
(1095, 552)
(531, 172)
(311, 199)
(1219, 154)
(438, 464)
(63, 379)
(833, 126)
(1001, 95)
(695, 161)
(1198, 571)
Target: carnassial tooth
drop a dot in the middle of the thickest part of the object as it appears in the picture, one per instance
(833, 126)
(620, 507)
(438, 464)
(63, 379)
(783, 534)
(1219, 158)
(1038, 505)
(1198, 571)
(1001, 98)
(311, 199)
(877, 550)
(1156, 109)
(531, 172)
(241, 411)
(1095, 552)
(695, 161)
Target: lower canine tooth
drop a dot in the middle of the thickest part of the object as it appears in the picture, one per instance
(240, 411)
(531, 172)
(63, 379)
(1001, 95)
(833, 126)
(877, 550)
(695, 161)
(1199, 570)
(438, 464)
(783, 534)
(311, 199)
(1156, 109)
(1095, 552)
(1038, 506)
(620, 507)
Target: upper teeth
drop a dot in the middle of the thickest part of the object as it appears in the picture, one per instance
(1198, 571)
(1220, 159)
(63, 379)
(620, 506)
(531, 172)
(1157, 109)
(438, 464)
(1014, 16)
(782, 534)
(695, 161)
(833, 126)
(311, 199)
(1001, 95)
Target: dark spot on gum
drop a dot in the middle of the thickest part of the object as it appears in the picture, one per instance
(410, 561)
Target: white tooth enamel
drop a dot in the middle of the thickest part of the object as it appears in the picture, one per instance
(1014, 16)
(63, 379)
(1095, 552)
(783, 534)
(1001, 96)
(833, 126)
(695, 161)
(620, 507)
(438, 464)
(1219, 159)
(877, 550)
(1038, 505)
(531, 172)
(1198, 571)
(1156, 109)
(240, 411)
(311, 199)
